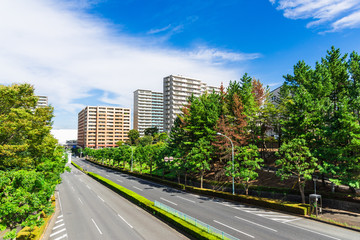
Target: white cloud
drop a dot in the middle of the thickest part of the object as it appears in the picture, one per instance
(322, 12)
(66, 54)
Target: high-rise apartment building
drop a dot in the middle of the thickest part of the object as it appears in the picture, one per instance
(100, 127)
(177, 89)
(148, 110)
(42, 102)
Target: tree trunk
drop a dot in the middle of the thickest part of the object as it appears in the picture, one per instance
(150, 168)
(185, 177)
(201, 179)
(302, 191)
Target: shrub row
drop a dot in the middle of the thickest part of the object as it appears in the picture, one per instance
(148, 205)
(36, 232)
(77, 166)
(297, 208)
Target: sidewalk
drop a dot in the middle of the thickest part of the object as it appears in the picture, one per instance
(340, 216)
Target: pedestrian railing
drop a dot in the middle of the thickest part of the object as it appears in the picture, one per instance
(196, 222)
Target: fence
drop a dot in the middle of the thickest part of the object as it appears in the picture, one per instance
(194, 221)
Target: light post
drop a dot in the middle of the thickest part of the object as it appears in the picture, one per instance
(232, 157)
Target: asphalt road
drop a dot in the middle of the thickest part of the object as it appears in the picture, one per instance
(240, 220)
(89, 210)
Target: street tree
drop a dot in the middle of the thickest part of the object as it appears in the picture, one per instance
(296, 160)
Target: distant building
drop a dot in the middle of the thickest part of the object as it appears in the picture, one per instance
(275, 96)
(177, 89)
(100, 127)
(70, 144)
(42, 102)
(148, 110)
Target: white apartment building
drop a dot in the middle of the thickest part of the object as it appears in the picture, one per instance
(148, 110)
(100, 127)
(42, 102)
(177, 89)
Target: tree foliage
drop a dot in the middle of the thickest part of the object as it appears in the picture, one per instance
(30, 159)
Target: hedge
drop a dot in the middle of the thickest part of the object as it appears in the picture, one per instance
(148, 205)
(77, 166)
(36, 233)
(297, 208)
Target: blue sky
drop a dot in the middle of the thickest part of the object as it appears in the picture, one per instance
(97, 52)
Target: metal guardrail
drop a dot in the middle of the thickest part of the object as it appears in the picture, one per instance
(194, 221)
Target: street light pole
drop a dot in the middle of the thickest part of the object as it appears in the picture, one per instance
(232, 157)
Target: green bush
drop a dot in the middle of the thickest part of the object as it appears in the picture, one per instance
(36, 233)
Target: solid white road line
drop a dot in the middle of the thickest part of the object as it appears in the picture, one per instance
(311, 231)
(186, 199)
(234, 229)
(96, 226)
(125, 221)
(61, 237)
(81, 201)
(59, 221)
(101, 198)
(168, 201)
(138, 188)
(255, 223)
(58, 226)
(53, 234)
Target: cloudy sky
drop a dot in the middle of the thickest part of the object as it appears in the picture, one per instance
(98, 52)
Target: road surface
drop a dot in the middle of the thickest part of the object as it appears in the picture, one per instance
(239, 220)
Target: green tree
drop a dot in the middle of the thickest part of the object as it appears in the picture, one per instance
(200, 154)
(151, 131)
(24, 130)
(246, 163)
(30, 159)
(296, 160)
(133, 136)
(145, 140)
(323, 110)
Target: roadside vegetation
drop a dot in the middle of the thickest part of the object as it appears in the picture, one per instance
(316, 120)
(30, 160)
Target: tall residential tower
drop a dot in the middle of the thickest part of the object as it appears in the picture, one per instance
(100, 127)
(177, 89)
(148, 110)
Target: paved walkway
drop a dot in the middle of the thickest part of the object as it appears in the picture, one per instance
(340, 216)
